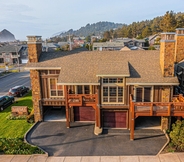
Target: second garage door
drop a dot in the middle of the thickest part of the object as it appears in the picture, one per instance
(115, 119)
(84, 114)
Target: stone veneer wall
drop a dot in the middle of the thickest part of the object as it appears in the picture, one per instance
(34, 51)
(167, 55)
(36, 95)
(165, 121)
(179, 48)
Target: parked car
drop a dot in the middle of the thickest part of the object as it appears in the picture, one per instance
(18, 91)
(5, 101)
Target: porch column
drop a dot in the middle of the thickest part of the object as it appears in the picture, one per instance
(67, 107)
(132, 121)
(165, 122)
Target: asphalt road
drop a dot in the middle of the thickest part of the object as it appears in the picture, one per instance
(79, 140)
(20, 78)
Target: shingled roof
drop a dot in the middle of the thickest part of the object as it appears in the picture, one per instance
(84, 67)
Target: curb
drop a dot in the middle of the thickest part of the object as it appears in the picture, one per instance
(25, 139)
(168, 140)
(6, 75)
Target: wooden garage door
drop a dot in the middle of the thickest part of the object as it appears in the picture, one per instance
(84, 114)
(115, 119)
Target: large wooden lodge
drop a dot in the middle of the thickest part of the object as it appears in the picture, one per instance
(110, 88)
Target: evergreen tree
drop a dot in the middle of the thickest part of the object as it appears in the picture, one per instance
(168, 23)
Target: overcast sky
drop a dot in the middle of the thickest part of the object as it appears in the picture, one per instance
(47, 17)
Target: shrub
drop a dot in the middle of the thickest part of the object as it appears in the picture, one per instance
(177, 136)
(12, 117)
(17, 146)
(151, 48)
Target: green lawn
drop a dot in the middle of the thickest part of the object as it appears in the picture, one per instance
(15, 128)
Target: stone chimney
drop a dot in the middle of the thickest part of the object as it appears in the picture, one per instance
(167, 54)
(179, 45)
(34, 48)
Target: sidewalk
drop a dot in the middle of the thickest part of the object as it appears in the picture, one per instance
(169, 157)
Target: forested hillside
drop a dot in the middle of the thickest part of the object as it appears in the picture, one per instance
(93, 29)
(167, 23)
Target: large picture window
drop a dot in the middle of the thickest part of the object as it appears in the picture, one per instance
(112, 90)
(55, 90)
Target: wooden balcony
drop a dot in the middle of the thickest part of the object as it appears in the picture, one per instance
(53, 102)
(158, 109)
(175, 108)
(82, 99)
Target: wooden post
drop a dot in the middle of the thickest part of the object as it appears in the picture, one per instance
(169, 110)
(132, 122)
(67, 107)
(151, 110)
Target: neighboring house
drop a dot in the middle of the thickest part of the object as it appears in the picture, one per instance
(110, 88)
(62, 44)
(108, 46)
(153, 39)
(12, 54)
(118, 44)
(79, 42)
(131, 42)
(95, 38)
(50, 46)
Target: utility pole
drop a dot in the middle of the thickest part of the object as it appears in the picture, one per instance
(70, 45)
(17, 59)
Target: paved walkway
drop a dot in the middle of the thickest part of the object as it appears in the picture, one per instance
(169, 157)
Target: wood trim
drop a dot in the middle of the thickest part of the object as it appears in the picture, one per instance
(50, 76)
(67, 107)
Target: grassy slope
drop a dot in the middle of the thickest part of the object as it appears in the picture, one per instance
(15, 128)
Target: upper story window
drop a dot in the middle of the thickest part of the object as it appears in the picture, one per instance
(54, 71)
(83, 89)
(112, 80)
(49, 72)
(55, 90)
(143, 94)
(112, 90)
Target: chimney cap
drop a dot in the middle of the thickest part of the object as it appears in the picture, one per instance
(34, 38)
(168, 33)
(179, 28)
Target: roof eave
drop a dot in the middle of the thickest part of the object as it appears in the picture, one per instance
(41, 68)
(78, 83)
(152, 84)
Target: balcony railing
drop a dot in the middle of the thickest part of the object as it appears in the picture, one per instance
(53, 102)
(82, 99)
(175, 108)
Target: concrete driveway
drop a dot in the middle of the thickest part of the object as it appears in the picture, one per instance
(79, 140)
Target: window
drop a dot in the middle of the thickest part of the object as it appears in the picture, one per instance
(54, 71)
(1, 60)
(112, 94)
(55, 90)
(112, 80)
(83, 89)
(111, 91)
(143, 94)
